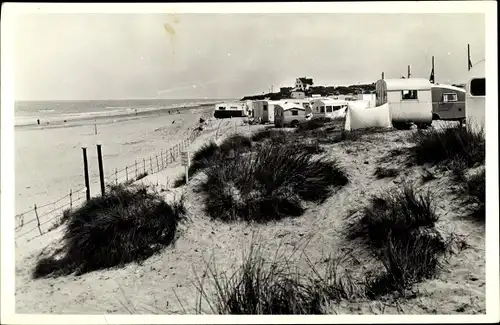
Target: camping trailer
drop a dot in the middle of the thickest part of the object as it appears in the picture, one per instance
(249, 108)
(268, 116)
(448, 103)
(409, 99)
(228, 110)
(328, 108)
(475, 96)
(264, 110)
(258, 109)
(289, 113)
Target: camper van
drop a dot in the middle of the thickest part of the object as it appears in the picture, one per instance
(475, 96)
(289, 114)
(331, 108)
(263, 110)
(228, 110)
(448, 103)
(409, 99)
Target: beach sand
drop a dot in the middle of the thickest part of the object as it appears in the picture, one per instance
(165, 282)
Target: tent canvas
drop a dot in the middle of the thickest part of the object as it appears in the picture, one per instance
(361, 118)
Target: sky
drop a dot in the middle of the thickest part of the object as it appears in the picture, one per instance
(126, 56)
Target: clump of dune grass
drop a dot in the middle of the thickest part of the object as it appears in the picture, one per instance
(201, 159)
(407, 260)
(398, 211)
(127, 224)
(271, 134)
(259, 287)
(300, 141)
(235, 144)
(209, 153)
(269, 184)
(273, 286)
(446, 147)
(399, 227)
(383, 172)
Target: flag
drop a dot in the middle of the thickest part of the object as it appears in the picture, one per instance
(431, 78)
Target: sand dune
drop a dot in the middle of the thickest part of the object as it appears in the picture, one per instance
(155, 286)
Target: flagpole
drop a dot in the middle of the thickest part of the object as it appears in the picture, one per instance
(469, 64)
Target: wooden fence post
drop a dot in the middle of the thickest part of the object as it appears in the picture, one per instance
(151, 164)
(38, 221)
(101, 170)
(86, 172)
(116, 176)
(157, 164)
(126, 173)
(70, 200)
(162, 161)
(136, 169)
(144, 164)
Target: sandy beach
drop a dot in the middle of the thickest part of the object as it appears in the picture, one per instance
(49, 159)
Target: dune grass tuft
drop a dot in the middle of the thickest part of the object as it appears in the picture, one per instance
(209, 153)
(128, 223)
(269, 184)
(399, 227)
(447, 147)
(398, 211)
(274, 286)
(272, 134)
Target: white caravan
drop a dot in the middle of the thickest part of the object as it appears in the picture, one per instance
(475, 96)
(410, 101)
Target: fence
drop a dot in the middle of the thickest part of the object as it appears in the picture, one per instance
(45, 216)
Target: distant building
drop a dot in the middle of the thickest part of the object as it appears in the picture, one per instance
(285, 89)
(298, 94)
(303, 83)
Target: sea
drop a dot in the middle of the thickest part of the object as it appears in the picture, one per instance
(29, 112)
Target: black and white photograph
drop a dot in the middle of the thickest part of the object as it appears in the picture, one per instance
(254, 159)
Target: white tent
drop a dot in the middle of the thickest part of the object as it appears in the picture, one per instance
(359, 104)
(361, 118)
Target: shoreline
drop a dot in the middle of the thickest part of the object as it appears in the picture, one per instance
(70, 122)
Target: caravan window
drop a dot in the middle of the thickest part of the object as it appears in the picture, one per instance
(409, 95)
(478, 87)
(264, 107)
(322, 109)
(450, 97)
(222, 108)
(295, 112)
(336, 108)
(328, 109)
